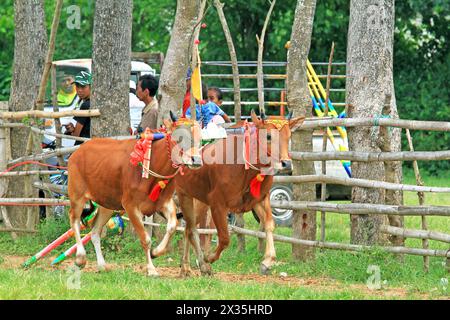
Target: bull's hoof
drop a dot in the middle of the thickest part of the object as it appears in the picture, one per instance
(264, 270)
(103, 268)
(185, 272)
(80, 261)
(206, 269)
(152, 273)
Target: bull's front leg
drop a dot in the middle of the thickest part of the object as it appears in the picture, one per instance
(264, 212)
(191, 236)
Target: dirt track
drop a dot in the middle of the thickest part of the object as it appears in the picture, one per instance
(319, 283)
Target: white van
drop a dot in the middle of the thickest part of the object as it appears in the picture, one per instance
(69, 69)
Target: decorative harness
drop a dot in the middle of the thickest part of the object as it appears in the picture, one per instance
(251, 130)
(141, 155)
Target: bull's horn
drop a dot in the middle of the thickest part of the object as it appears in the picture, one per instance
(173, 117)
(289, 116)
(263, 116)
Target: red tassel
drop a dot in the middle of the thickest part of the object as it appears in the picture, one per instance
(156, 191)
(255, 185)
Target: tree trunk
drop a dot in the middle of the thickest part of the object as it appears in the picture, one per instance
(369, 81)
(304, 223)
(172, 82)
(111, 66)
(30, 48)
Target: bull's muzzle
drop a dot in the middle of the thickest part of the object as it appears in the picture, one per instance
(196, 161)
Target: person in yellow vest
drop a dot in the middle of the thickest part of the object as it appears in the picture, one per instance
(67, 93)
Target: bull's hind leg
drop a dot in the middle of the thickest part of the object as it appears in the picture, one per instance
(220, 218)
(170, 213)
(76, 208)
(102, 217)
(136, 216)
(191, 235)
(264, 212)
(203, 213)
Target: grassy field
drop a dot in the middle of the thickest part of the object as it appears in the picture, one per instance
(331, 275)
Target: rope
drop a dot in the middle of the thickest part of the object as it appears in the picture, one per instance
(377, 117)
(31, 162)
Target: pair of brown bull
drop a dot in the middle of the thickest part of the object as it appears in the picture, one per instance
(100, 171)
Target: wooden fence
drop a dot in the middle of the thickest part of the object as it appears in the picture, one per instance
(353, 208)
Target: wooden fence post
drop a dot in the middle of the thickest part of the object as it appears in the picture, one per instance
(5, 155)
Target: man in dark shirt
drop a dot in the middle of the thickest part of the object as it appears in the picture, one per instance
(82, 128)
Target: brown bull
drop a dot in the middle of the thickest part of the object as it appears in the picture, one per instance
(100, 171)
(226, 188)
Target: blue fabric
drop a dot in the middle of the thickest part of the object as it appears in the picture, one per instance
(205, 112)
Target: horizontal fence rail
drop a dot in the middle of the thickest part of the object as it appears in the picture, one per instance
(363, 208)
(418, 234)
(354, 182)
(371, 156)
(369, 122)
(45, 114)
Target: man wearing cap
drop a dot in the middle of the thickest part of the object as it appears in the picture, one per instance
(82, 128)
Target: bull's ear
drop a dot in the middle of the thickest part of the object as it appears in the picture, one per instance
(296, 122)
(255, 119)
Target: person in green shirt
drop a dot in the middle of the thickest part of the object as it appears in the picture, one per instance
(67, 92)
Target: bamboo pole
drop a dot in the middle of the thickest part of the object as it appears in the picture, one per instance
(371, 156)
(49, 57)
(31, 172)
(259, 70)
(418, 234)
(323, 191)
(343, 246)
(233, 58)
(33, 201)
(353, 182)
(368, 122)
(45, 155)
(55, 109)
(59, 135)
(5, 148)
(51, 187)
(421, 195)
(45, 114)
(363, 208)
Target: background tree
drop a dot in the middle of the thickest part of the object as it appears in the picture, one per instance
(172, 83)
(111, 65)
(369, 82)
(304, 221)
(30, 48)
(421, 56)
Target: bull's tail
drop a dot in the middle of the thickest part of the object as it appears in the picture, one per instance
(89, 213)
